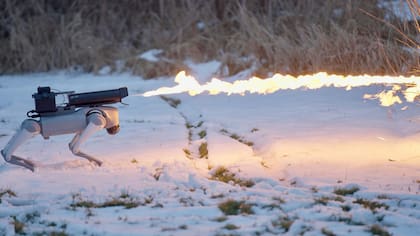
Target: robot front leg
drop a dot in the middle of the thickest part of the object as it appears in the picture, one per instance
(28, 129)
(96, 122)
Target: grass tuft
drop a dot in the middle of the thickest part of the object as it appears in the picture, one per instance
(60, 233)
(372, 205)
(233, 207)
(84, 204)
(221, 195)
(237, 137)
(158, 173)
(124, 195)
(346, 208)
(324, 200)
(52, 233)
(283, 222)
(202, 134)
(203, 150)
(383, 196)
(109, 203)
(346, 191)
(378, 230)
(52, 224)
(173, 102)
(271, 206)
(118, 202)
(30, 217)
(187, 153)
(124, 200)
(220, 219)
(18, 226)
(279, 200)
(7, 192)
(231, 227)
(222, 174)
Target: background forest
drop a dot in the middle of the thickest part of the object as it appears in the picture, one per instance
(288, 36)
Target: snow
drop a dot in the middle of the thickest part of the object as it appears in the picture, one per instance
(203, 71)
(150, 55)
(401, 9)
(306, 144)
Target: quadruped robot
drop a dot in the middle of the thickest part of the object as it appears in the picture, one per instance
(84, 114)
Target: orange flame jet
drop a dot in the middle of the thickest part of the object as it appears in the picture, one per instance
(409, 87)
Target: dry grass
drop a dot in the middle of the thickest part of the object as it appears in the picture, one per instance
(297, 37)
(224, 175)
(233, 207)
(346, 191)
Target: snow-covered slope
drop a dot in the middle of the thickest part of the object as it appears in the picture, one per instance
(313, 162)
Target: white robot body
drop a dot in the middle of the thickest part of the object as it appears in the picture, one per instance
(83, 122)
(75, 122)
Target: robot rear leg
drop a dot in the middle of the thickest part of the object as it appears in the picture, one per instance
(28, 130)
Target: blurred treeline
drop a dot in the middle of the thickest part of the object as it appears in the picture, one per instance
(286, 36)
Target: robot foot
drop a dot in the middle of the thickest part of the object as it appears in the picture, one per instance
(15, 160)
(89, 158)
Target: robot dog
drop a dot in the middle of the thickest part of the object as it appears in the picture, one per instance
(84, 114)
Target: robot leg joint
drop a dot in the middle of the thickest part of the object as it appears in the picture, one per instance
(32, 126)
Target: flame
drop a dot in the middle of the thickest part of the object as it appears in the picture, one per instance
(409, 87)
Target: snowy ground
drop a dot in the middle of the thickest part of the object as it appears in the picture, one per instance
(318, 162)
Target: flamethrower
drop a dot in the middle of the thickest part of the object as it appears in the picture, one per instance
(84, 114)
